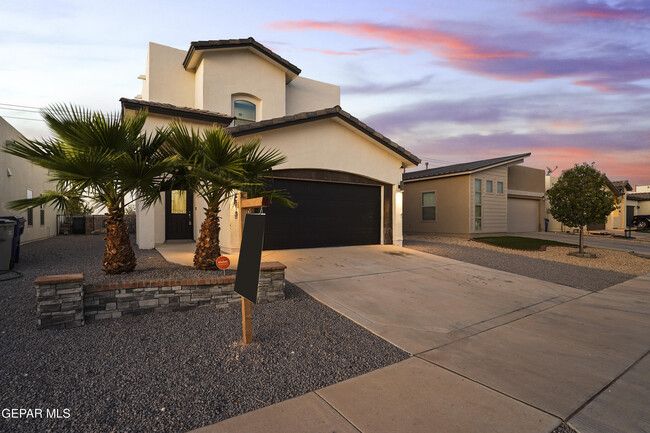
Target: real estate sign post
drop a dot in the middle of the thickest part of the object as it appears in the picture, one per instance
(248, 268)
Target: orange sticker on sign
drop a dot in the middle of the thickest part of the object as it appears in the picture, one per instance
(223, 262)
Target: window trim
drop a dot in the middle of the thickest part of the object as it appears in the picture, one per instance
(478, 220)
(422, 206)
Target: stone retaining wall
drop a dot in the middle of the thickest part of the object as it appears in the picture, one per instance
(59, 301)
(64, 302)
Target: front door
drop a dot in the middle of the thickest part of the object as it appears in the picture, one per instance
(629, 215)
(178, 215)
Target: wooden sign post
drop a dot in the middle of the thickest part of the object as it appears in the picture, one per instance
(248, 268)
(246, 321)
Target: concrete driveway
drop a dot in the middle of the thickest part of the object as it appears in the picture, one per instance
(493, 351)
(639, 245)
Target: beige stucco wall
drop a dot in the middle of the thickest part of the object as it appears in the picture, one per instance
(327, 144)
(521, 178)
(151, 222)
(330, 145)
(25, 176)
(304, 94)
(452, 206)
(166, 79)
(495, 205)
(230, 72)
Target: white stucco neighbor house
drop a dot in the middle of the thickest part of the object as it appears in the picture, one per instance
(344, 175)
(22, 179)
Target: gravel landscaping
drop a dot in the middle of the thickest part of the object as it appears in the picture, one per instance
(167, 372)
(609, 260)
(84, 253)
(561, 273)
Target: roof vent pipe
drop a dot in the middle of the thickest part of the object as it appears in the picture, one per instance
(426, 165)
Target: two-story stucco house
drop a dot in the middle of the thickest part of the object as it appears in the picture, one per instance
(343, 174)
(477, 198)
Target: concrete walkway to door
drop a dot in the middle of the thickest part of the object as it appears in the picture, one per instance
(493, 352)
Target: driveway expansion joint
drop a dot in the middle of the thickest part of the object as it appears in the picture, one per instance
(597, 394)
(335, 410)
(491, 388)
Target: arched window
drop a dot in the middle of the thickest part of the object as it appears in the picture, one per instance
(244, 111)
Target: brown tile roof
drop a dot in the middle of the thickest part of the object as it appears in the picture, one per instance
(310, 116)
(235, 43)
(466, 167)
(622, 186)
(176, 111)
(639, 196)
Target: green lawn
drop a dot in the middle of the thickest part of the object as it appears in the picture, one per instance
(519, 243)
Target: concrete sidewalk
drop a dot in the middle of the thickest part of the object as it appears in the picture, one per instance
(584, 361)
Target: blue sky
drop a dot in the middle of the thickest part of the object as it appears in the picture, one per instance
(567, 80)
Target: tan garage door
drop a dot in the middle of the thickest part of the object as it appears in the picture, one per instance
(523, 215)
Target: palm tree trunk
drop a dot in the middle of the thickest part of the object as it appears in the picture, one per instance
(207, 247)
(119, 257)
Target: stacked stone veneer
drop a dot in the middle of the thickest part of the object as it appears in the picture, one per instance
(60, 301)
(139, 297)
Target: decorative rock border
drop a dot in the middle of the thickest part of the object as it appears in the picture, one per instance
(64, 302)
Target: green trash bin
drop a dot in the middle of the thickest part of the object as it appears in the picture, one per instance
(6, 243)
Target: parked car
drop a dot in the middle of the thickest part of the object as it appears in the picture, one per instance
(641, 221)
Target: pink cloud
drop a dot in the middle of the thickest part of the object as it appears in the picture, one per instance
(437, 42)
(578, 11)
(332, 52)
(605, 70)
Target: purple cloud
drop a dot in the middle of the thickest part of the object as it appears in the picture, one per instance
(571, 12)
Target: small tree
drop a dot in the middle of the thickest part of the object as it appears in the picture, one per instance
(215, 167)
(580, 197)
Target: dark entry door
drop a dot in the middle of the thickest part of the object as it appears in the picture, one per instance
(629, 215)
(178, 214)
(328, 214)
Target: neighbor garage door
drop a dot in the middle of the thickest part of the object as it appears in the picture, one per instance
(328, 214)
(523, 215)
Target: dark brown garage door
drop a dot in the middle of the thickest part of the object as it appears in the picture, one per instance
(328, 214)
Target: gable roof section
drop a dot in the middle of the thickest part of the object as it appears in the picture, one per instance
(311, 116)
(464, 168)
(176, 111)
(198, 46)
(622, 186)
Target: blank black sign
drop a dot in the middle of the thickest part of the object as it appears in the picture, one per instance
(250, 257)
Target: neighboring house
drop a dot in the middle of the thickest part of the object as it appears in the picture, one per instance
(637, 203)
(475, 198)
(618, 219)
(22, 179)
(343, 174)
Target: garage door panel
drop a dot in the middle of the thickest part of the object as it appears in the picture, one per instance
(523, 215)
(328, 214)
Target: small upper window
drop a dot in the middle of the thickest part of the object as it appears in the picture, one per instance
(244, 111)
(500, 187)
(488, 186)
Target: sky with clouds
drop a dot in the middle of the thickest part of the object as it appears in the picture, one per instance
(452, 81)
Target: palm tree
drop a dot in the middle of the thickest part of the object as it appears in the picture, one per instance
(104, 159)
(214, 167)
